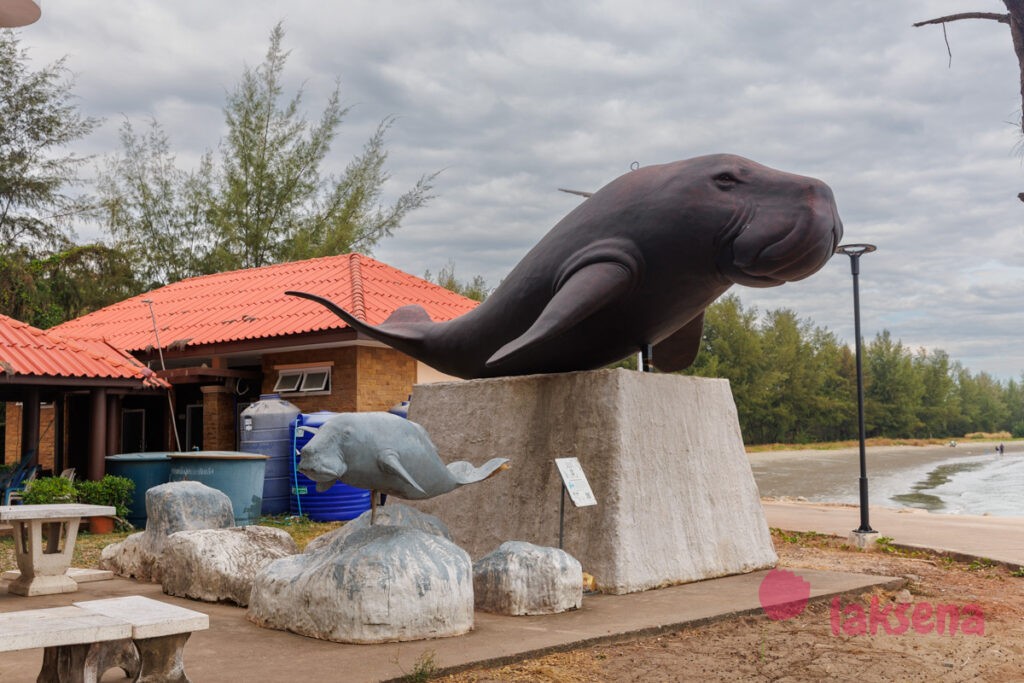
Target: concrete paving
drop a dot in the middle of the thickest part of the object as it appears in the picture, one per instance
(995, 538)
(237, 650)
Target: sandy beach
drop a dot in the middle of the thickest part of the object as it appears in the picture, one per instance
(832, 475)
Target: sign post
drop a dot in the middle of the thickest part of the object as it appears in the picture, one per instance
(575, 482)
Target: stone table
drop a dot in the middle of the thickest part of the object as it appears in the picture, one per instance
(44, 565)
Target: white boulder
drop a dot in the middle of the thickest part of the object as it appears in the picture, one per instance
(521, 578)
(173, 507)
(220, 564)
(382, 584)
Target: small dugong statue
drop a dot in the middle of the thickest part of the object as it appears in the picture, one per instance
(635, 265)
(386, 453)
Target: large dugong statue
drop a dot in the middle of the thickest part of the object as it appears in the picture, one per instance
(634, 265)
(386, 453)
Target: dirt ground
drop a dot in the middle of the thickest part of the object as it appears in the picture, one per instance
(807, 648)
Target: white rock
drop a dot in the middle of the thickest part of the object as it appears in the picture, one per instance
(392, 514)
(173, 507)
(220, 564)
(383, 584)
(522, 578)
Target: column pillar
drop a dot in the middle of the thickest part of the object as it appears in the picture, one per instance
(30, 425)
(97, 433)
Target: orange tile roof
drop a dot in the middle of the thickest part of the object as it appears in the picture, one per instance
(251, 304)
(29, 352)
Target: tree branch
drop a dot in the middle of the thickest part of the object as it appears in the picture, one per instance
(1001, 18)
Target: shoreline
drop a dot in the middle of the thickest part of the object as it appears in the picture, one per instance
(832, 476)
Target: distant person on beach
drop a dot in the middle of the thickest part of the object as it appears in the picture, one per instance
(1000, 449)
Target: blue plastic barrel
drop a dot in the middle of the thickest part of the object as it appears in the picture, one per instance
(146, 470)
(267, 429)
(239, 475)
(341, 501)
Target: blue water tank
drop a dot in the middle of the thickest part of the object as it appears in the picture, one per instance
(146, 470)
(341, 501)
(267, 428)
(238, 475)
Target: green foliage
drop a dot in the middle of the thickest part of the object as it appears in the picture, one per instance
(38, 118)
(796, 383)
(110, 490)
(263, 200)
(154, 209)
(475, 289)
(792, 382)
(44, 277)
(49, 490)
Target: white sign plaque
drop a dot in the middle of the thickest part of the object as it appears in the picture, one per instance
(575, 482)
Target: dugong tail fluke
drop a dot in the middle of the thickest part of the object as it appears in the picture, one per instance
(405, 329)
(466, 473)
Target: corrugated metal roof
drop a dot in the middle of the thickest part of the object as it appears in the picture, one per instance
(31, 352)
(251, 304)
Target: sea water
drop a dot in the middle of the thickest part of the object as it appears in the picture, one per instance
(989, 484)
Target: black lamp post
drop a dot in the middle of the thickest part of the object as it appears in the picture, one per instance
(855, 251)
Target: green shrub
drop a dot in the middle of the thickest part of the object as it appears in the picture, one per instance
(110, 490)
(47, 490)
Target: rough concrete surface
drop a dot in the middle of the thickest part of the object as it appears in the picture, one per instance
(676, 500)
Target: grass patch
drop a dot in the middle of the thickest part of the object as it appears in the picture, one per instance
(810, 539)
(302, 529)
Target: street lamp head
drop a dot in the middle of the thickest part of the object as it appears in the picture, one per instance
(855, 249)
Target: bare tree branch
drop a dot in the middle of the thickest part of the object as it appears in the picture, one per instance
(1001, 18)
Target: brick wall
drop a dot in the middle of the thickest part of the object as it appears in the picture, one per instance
(218, 418)
(385, 377)
(12, 437)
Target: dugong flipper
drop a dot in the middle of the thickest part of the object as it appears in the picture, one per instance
(465, 473)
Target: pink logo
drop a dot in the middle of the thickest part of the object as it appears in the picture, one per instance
(783, 594)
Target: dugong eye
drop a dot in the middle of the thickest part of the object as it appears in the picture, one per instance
(726, 180)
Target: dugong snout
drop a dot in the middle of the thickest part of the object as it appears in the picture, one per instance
(321, 465)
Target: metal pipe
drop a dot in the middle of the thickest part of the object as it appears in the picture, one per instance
(163, 367)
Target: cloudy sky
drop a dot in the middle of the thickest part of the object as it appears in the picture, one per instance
(515, 99)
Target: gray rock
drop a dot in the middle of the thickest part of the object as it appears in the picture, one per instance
(392, 514)
(383, 584)
(521, 578)
(173, 507)
(220, 564)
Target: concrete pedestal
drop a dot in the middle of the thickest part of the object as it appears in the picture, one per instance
(676, 499)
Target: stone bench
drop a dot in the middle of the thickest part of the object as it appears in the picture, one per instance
(143, 637)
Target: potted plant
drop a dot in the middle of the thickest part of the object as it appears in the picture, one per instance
(110, 490)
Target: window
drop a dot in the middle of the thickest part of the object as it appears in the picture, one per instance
(303, 381)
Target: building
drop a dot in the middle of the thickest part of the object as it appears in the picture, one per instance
(47, 381)
(226, 338)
